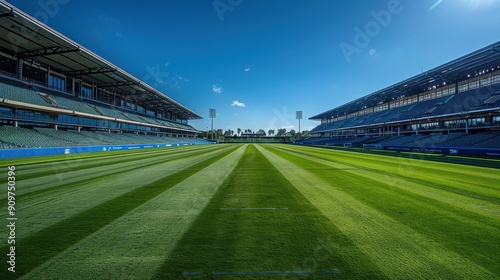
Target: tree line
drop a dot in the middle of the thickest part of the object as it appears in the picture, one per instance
(281, 132)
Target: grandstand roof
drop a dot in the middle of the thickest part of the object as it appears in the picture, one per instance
(471, 65)
(26, 38)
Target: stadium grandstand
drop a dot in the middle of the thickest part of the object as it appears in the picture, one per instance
(56, 93)
(453, 106)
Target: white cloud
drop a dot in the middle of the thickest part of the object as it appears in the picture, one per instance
(238, 104)
(217, 88)
(248, 69)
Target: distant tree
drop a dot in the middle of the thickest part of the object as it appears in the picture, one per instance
(270, 132)
(306, 134)
(239, 131)
(281, 132)
(218, 133)
(292, 133)
(262, 131)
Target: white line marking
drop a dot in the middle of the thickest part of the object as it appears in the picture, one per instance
(253, 209)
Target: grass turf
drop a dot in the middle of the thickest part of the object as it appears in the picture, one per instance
(270, 212)
(426, 230)
(259, 223)
(133, 246)
(44, 244)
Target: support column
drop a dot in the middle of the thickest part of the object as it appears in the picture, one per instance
(48, 78)
(19, 68)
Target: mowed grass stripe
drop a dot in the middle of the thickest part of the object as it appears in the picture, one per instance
(424, 186)
(135, 245)
(479, 182)
(448, 160)
(38, 212)
(67, 163)
(399, 250)
(53, 180)
(43, 245)
(297, 239)
(468, 226)
(31, 160)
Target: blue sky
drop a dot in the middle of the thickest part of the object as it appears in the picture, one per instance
(258, 61)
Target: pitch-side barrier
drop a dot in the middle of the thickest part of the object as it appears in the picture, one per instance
(28, 152)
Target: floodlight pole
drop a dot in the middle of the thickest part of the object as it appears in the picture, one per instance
(212, 114)
(298, 116)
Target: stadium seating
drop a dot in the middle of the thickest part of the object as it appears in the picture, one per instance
(37, 95)
(12, 137)
(73, 104)
(23, 137)
(21, 94)
(456, 103)
(493, 142)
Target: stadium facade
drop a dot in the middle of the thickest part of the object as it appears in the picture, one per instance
(456, 104)
(50, 83)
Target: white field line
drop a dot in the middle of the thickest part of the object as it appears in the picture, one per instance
(472, 204)
(42, 211)
(254, 194)
(264, 272)
(252, 209)
(399, 251)
(135, 245)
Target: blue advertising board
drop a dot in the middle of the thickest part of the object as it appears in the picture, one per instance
(27, 152)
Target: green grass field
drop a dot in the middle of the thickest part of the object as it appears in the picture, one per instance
(253, 211)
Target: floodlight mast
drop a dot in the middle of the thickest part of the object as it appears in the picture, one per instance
(212, 114)
(298, 116)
